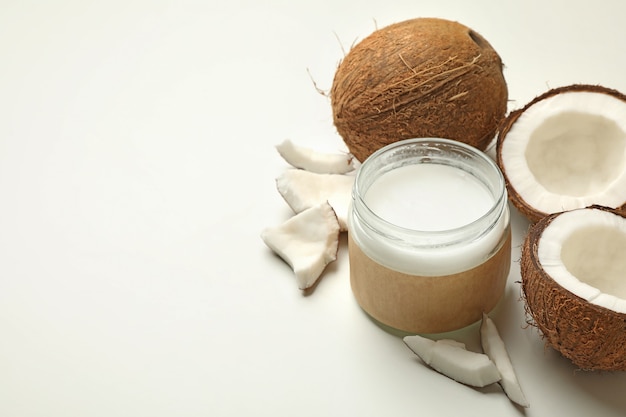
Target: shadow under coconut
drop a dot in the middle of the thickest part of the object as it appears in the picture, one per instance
(605, 388)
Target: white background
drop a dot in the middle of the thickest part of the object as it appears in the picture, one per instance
(137, 168)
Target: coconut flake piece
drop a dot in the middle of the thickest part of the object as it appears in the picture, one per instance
(454, 361)
(421, 346)
(303, 189)
(307, 241)
(313, 160)
(493, 345)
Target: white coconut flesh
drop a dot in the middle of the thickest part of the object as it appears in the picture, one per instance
(568, 151)
(453, 360)
(583, 251)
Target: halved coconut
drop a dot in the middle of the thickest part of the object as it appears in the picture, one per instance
(564, 150)
(573, 272)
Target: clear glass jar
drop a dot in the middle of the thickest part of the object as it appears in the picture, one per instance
(429, 279)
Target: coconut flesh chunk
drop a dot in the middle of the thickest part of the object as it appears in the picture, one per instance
(568, 151)
(454, 361)
(314, 160)
(303, 189)
(493, 346)
(583, 251)
(307, 242)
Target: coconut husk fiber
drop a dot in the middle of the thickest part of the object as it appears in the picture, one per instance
(591, 336)
(424, 77)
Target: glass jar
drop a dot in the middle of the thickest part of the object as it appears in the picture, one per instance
(429, 235)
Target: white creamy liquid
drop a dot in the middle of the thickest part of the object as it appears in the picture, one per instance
(428, 197)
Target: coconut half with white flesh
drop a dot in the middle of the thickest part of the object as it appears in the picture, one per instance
(573, 272)
(564, 150)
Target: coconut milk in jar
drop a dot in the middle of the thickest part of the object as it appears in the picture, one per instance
(429, 235)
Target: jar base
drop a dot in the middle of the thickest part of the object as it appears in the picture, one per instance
(464, 333)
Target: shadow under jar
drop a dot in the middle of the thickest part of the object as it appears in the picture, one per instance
(429, 235)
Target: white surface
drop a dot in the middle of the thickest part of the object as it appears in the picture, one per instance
(137, 168)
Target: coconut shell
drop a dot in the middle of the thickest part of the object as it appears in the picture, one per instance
(531, 213)
(424, 77)
(591, 336)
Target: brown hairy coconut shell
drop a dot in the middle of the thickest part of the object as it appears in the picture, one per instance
(591, 336)
(533, 213)
(424, 77)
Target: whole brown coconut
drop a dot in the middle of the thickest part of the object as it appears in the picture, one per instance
(425, 77)
(591, 336)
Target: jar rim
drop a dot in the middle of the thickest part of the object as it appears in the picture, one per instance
(475, 228)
